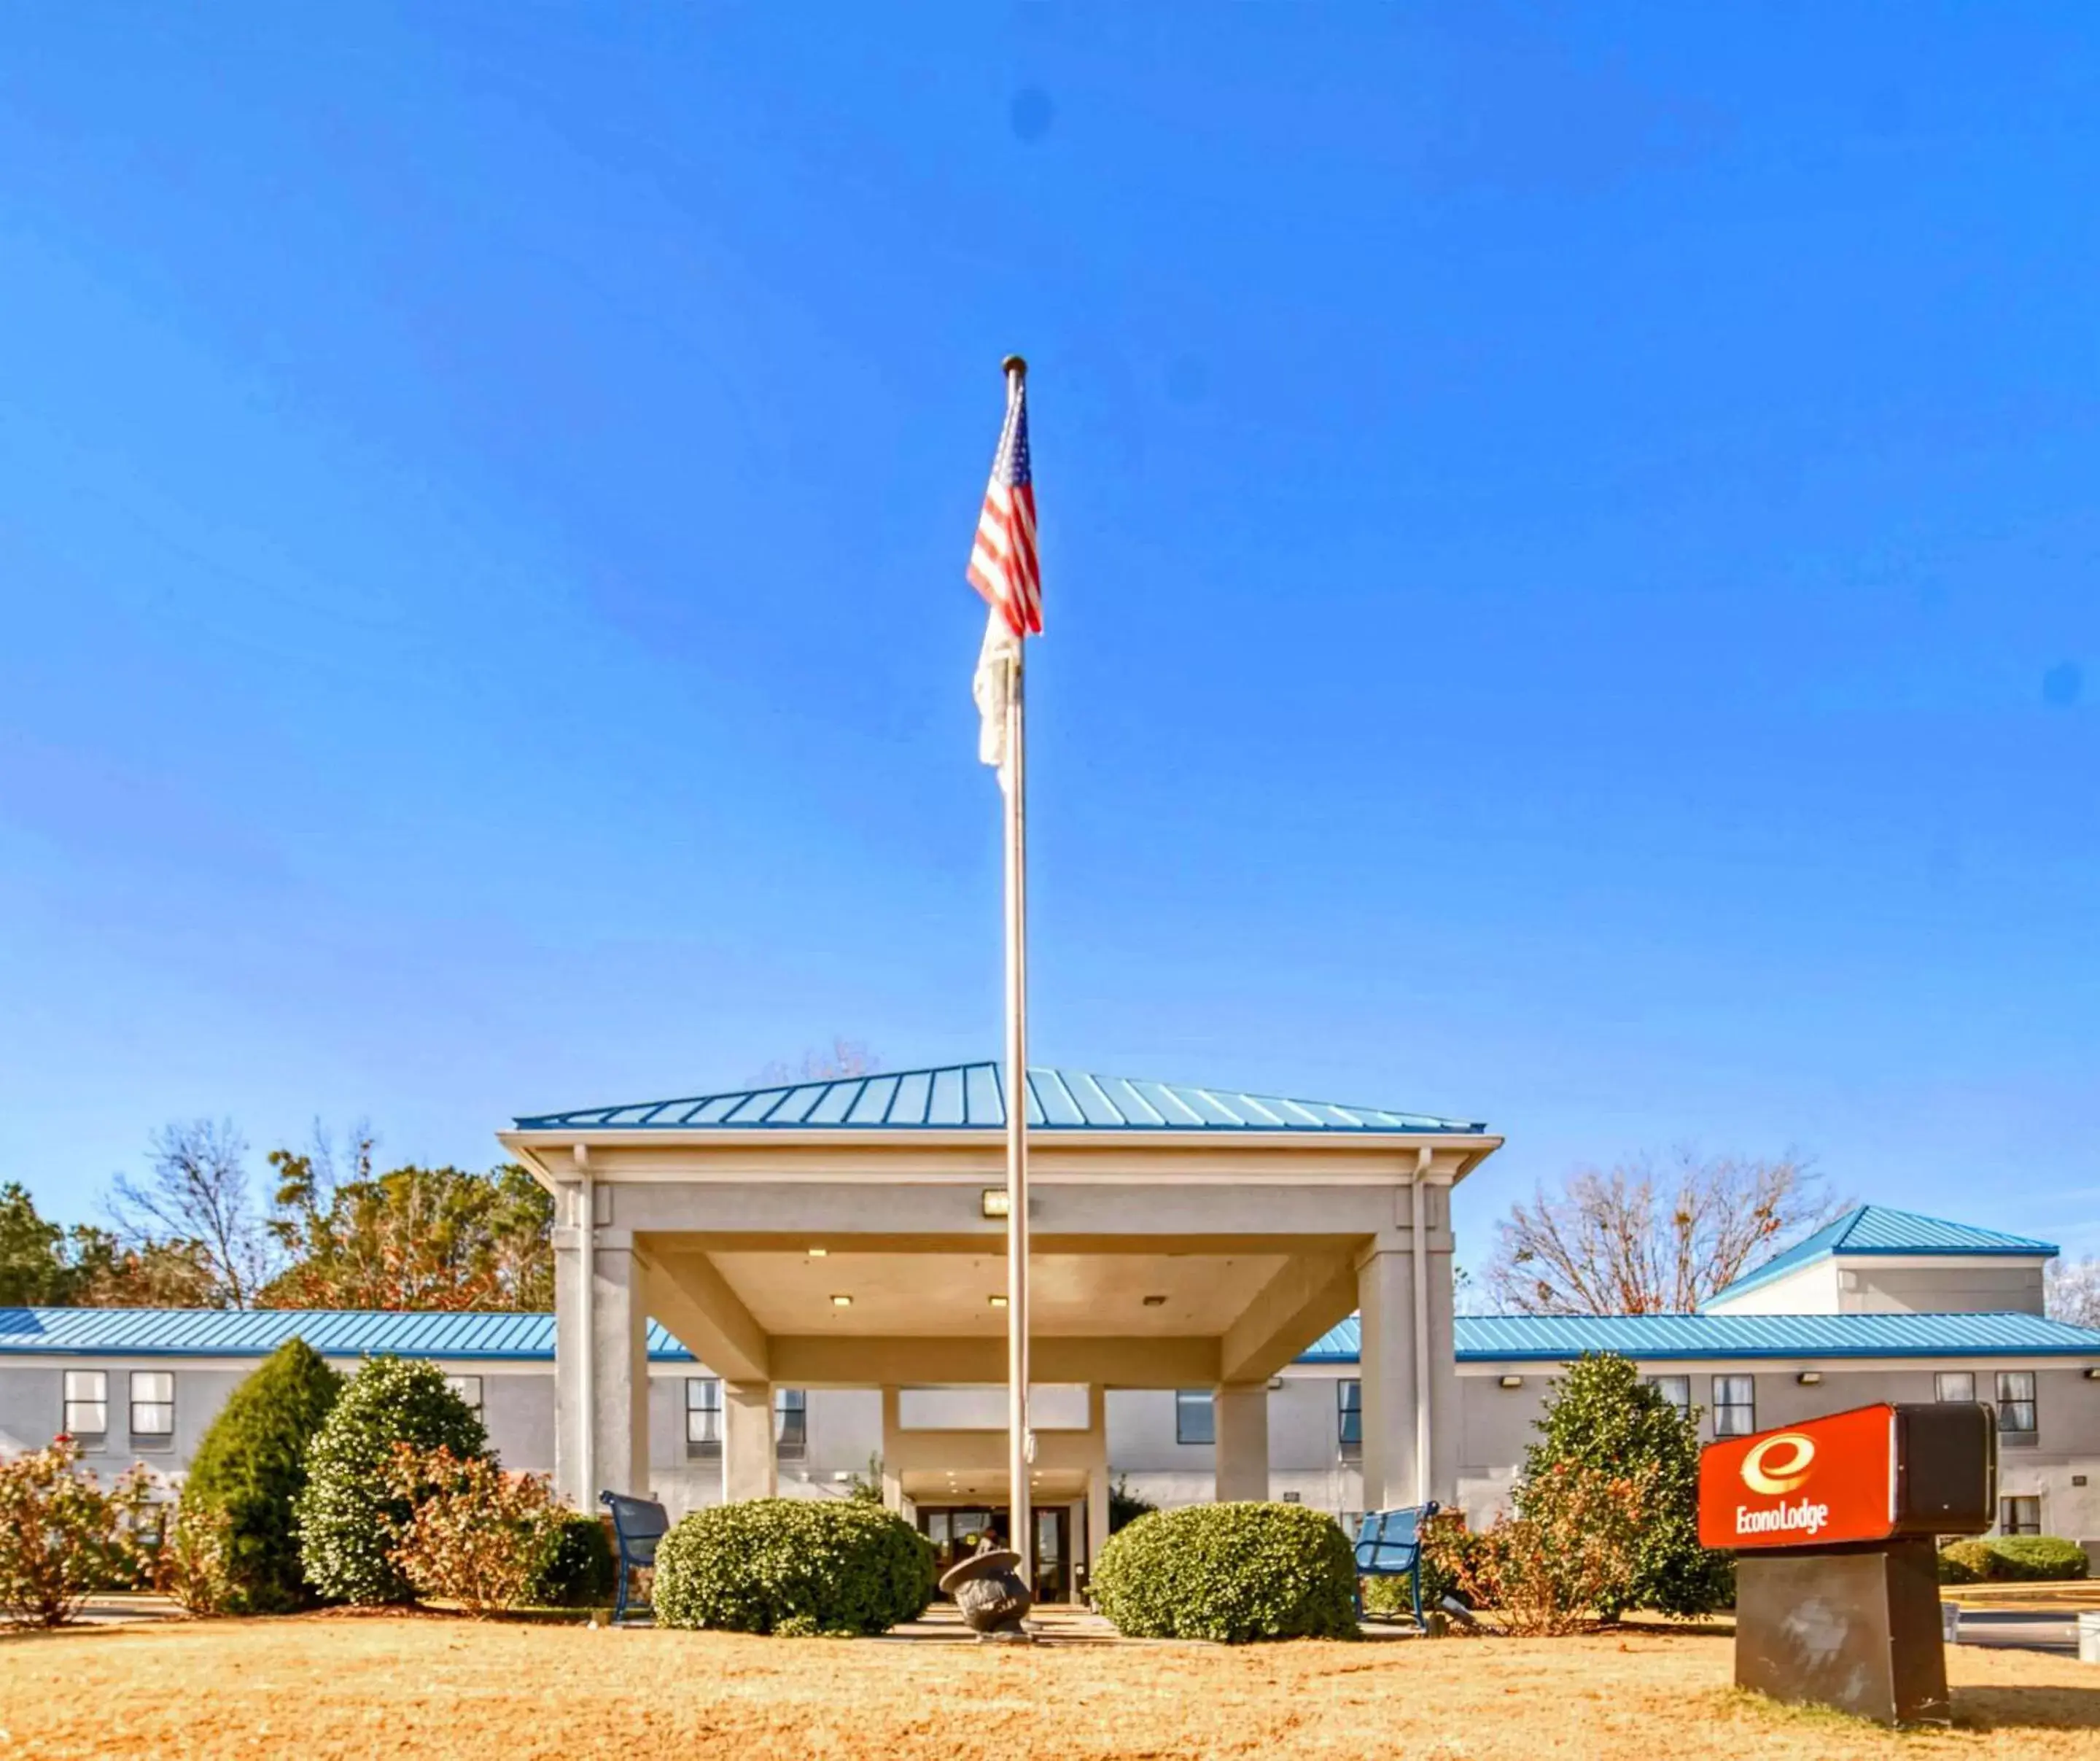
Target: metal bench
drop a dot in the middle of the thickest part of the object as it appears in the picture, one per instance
(1389, 1545)
(638, 1526)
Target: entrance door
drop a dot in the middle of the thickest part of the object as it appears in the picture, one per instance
(954, 1530)
(1053, 1553)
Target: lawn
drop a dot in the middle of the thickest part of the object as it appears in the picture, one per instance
(451, 1688)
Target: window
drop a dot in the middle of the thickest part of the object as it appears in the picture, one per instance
(1349, 1417)
(1194, 1421)
(152, 1408)
(86, 1404)
(703, 1415)
(791, 1421)
(468, 1387)
(2019, 1515)
(2016, 1405)
(1676, 1389)
(1735, 1405)
(1954, 1388)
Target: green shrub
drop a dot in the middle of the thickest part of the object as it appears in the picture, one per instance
(248, 1472)
(1966, 1562)
(2012, 1558)
(1603, 1416)
(793, 1566)
(2036, 1559)
(580, 1572)
(1230, 1572)
(345, 1519)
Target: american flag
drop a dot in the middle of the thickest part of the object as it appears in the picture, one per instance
(1004, 566)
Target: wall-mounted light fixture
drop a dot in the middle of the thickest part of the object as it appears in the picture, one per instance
(842, 1302)
(1155, 1302)
(996, 1202)
(1810, 1378)
(996, 1300)
(2093, 1373)
(817, 1253)
(1512, 1381)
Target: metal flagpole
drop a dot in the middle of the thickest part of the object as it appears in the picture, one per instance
(1021, 1440)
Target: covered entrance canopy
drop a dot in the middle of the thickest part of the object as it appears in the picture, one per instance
(848, 1233)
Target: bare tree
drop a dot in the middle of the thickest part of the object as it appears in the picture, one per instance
(196, 1197)
(1650, 1239)
(2071, 1292)
(844, 1058)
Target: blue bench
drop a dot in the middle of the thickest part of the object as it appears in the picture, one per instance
(638, 1526)
(1389, 1545)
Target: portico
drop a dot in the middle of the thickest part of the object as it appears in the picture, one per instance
(847, 1234)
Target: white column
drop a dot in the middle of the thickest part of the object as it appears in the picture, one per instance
(1385, 1302)
(893, 1478)
(1097, 1477)
(746, 1442)
(1241, 1410)
(614, 1382)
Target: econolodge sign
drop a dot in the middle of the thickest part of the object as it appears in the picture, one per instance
(1822, 1483)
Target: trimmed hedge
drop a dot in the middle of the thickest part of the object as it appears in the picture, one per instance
(248, 1471)
(580, 1572)
(346, 1519)
(1229, 1573)
(2012, 1558)
(793, 1566)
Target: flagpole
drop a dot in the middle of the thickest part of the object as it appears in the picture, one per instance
(1020, 1442)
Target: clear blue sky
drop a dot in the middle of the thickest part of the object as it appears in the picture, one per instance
(1570, 541)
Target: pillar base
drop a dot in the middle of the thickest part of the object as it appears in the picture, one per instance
(1856, 1628)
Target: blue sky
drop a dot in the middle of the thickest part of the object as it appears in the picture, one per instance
(1569, 540)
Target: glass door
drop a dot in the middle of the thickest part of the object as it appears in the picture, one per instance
(1053, 1563)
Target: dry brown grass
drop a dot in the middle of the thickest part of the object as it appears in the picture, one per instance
(464, 1692)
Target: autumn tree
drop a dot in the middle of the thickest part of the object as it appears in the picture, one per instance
(1650, 1238)
(413, 1238)
(87, 1267)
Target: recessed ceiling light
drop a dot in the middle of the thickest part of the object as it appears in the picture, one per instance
(842, 1302)
(818, 1253)
(996, 1301)
(1155, 1302)
(995, 1202)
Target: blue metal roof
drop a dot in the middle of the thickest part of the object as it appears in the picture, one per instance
(971, 1097)
(1556, 1338)
(350, 1333)
(256, 1332)
(1878, 1230)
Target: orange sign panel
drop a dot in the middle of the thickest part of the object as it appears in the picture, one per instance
(1816, 1483)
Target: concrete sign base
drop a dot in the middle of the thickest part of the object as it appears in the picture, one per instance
(1857, 1628)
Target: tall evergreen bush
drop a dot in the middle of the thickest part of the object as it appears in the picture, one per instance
(249, 1470)
(1603, 1416)
(345, 1517)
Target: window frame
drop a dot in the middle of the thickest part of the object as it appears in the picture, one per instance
(474, 1401)
(1940, 1380)
(2010, 1521)
(68, 1400)
(1662, 1385)
(1189, 1401)
(1349, 1417)
(790, 1423)
(2008, 1406)
(1725, 1424)
(707, 1409)
(149, 1436)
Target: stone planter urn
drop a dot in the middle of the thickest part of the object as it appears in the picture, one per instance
(989, 1592)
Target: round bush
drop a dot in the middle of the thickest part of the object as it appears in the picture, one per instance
(579, 1573)
(1966, 1562)
(2039, 1558)
(249, 1470)
(344, 1514)
(1230, 1572)
(793, 1566)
